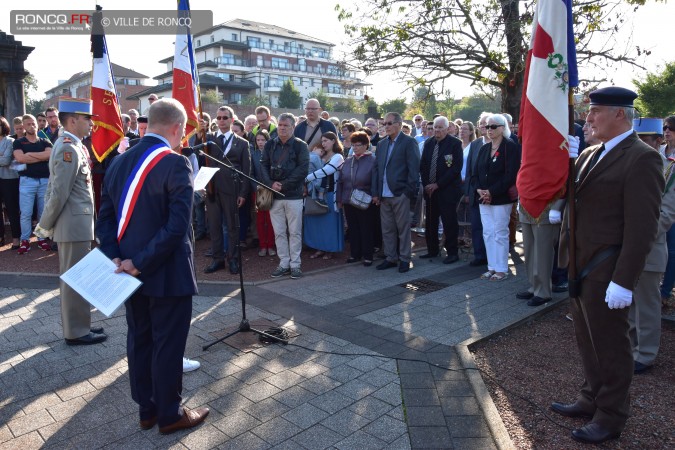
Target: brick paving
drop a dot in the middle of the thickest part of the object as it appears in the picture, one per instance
(376, 364)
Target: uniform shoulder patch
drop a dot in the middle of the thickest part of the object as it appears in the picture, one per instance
(68, 156)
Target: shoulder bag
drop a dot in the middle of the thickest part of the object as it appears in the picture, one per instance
(358, 198)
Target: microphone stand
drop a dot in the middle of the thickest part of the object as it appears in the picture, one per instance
(244, 325)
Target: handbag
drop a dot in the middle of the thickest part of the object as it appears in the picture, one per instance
(264, 198)
(358, 198)
(314, 207)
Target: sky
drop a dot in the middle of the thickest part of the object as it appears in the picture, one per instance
(58, 57)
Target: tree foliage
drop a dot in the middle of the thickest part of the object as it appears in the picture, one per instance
(656, 93)
(323, 99)
(289, 96)
(33, 104)
(256, 100)
(211, 96)
(426, 42)
(398, 105)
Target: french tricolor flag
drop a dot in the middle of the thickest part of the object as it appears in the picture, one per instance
(550, 73)
(185, 78)
(107, 132)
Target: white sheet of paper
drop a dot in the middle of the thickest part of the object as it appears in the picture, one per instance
(203, 177)
(94, 278)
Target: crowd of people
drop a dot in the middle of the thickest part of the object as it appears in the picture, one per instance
(319, 182)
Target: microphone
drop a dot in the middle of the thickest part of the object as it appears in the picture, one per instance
(201, 146)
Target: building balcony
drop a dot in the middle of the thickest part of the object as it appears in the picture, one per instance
(231, 63)
(277, 49)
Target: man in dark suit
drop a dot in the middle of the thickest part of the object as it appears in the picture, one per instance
(441, 171)
(394, 184)
(617, 217)
(152, 240)
(228, 195)
(470, 187)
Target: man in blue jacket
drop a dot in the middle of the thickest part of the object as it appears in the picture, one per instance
(144, 226)
(314, 127)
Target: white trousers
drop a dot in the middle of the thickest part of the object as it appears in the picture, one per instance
(286, 216)
(495, 219)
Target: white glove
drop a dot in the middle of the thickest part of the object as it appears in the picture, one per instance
(124, 145)
(574, 146)
(554, 217)
(42, 233)
(618, 297)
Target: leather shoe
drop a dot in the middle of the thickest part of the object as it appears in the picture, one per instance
(570, 410)
(561, 287)
(403, 267)
(639, 368)
(148, 423)
(478, 262)
(525, 295)
(594, 433)
(190, 419)
(537, 301)
(234, 266)
(215, 265)
(87, 339)
(386, 265)
(429, 255)
(451, 259)
(96, 330)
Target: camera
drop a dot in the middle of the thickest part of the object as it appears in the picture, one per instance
(276, 173)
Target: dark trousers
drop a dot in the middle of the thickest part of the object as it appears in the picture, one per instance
(9, 195)
(223, 208)
(606, 356)
(244, 220)
(361, 225)
(158, 330)
(441, 205)
(479, 251)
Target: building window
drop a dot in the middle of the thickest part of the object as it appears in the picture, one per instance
(280, 63)
(235, 38)
(254, 42)
(199, 43)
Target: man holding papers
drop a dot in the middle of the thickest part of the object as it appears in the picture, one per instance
(68, 215)
(144, 227)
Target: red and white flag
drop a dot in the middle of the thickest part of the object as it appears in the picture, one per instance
(550, 72)
(108, 131)
(185, 78)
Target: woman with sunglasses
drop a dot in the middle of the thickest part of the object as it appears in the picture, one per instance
(496, 169)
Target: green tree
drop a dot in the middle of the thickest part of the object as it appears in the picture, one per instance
(471, 107)
(424, 102)
(34, 104)
(256, 100)
(323, 99)
(211, 96)
(426, 42)
(289, 96)
(398, 105)
(657, 92)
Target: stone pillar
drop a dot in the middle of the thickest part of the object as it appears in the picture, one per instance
(15, 102)
(12, 73)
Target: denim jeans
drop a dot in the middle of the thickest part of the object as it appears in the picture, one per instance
(669, 274)
(31, 189)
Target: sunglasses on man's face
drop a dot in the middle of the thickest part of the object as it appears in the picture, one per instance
(222, 117)
(493, 127)
(389, 123)
(668, 127)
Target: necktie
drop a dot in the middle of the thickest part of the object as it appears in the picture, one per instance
(596, 157)
(432, 167)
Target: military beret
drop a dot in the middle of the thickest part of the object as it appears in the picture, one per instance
(142, 119)
(648, 126)
(613, 96)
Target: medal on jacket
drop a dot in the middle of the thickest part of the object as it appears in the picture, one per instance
(494, 158)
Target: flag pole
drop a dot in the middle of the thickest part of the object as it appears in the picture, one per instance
(571, 210)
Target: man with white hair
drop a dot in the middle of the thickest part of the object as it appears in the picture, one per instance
(441, 172)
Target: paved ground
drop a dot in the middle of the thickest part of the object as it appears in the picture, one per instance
(379, 362)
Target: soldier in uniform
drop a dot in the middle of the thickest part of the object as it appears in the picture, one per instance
(68, 214)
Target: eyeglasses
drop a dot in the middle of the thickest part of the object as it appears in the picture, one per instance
(418, 120)
(222, 117)
(493, 127)
(358, 144)
(668, 127)
(389, 123)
